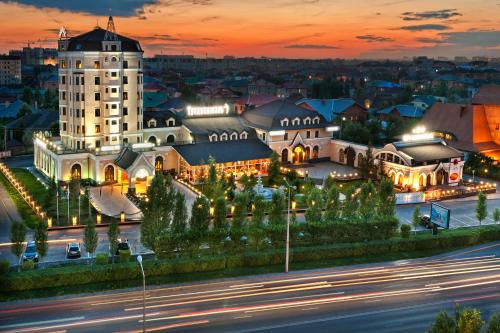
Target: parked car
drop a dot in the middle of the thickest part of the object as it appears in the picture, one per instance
(425, 221)
(121, 245)
(73, 250)
(30, 252)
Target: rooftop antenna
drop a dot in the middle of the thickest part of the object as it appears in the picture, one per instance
(110, 29)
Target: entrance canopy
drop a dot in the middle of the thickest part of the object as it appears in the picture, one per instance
(138, 169)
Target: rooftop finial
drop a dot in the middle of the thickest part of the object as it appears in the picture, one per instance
(110, 30)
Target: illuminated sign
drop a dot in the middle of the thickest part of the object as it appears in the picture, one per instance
(454, 171)
(333, 129)
(277, 133)
(200, 111)
(418, 137)
(440, 216)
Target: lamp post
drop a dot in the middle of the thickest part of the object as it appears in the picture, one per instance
(57, 205)
(139, 260)
(287, 251)
(67, 196)
(341, 123)
(473, 172)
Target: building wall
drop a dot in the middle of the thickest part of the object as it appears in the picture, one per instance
(278, 143)
(492, 113)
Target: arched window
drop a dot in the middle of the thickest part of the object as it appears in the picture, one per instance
(113, 59)
(315, 154)
(223, 137)
(171, 138)
(171, 122)
(159, 164)
(284, 122)
(234, 136)
(341, 156)
(316, 120)
(109, 174)
(307, 153)
(244, 135)
(152, 139)
(284, 155)
(76, 171)
(212, 137)
(421, 180)
(307, 121)
(360, 158)
(296, 121)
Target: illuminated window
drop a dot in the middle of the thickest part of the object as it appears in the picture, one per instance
(98, 128)
(97, 65)
(78, 64)
(63, 63)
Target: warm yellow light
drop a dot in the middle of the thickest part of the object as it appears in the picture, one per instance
(294, 205)
(212, 211)
(122, 217)
(49, 222)
(99, 218)
(74, 220)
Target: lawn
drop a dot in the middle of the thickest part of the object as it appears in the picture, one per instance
(39, 192)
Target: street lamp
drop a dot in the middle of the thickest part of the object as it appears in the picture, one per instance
(341, 123)
(287, 251)
(139, 260)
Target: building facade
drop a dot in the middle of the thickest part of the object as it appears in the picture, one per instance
(100, 90)
(10, 70)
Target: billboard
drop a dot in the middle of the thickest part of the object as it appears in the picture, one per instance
(454, 171)
(440, 216)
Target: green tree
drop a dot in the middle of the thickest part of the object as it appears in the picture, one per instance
(443, 324)
(273, 171)
(277, 209)
(496, 215)
(41, 239)
(180, 215)
(220, 213)
(17, 238)
(259, 211)
(113, 232)
(415, 221)
(200, 216)
(494, 323)
(27, 96)
(367, 200)
(90, 237)
(351, 204)
(24, 110)
(48, 100)
(332, 208)
(314, 206)
(405, 231)
(481, 209)
(386, 205)
(157, 210)
(469, 321)
(367, 167)
(240, 210)
(37, 98)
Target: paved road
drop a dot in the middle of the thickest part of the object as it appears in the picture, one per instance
(389, 297)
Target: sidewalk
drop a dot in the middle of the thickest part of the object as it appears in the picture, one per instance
(110, 201)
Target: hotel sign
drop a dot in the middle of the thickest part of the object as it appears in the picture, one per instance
(454, 171)
(205, 111)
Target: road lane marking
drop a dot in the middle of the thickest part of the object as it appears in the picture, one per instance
(34, 323)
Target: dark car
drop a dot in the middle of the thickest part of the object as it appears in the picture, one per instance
(30, 253)
(425, 221)
(121, 245)
(73, 250)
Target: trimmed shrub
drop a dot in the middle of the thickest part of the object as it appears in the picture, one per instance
(405, 231)
(124, 255)
(84, 274)
(101, 259)
(4, 266)
(28, 265)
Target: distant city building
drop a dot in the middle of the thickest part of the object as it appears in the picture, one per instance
(331, 109)
(403, 111)
(10, 70)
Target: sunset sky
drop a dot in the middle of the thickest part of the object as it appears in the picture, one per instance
(274, 28)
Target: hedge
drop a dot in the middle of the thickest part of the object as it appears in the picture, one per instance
(84, 274)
